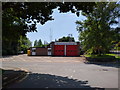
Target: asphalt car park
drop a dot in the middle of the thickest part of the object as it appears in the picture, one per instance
(57, 72)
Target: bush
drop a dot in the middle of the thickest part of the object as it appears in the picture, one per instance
(116, 48)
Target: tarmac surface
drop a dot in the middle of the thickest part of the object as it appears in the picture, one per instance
(61, 72)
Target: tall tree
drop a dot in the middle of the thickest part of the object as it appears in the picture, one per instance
(95, 32)
(35, 43)
(39, 43)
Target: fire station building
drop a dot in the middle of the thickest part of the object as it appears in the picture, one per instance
(57, 49)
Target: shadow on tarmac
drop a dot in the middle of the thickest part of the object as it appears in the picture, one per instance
(35, 80)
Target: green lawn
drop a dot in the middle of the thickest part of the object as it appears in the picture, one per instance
(116, 56)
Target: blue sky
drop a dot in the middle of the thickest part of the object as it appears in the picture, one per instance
(62, 25)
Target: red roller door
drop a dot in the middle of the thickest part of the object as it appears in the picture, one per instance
(59, 50)
(71, 50)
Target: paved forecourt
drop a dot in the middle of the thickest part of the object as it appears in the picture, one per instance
(71, 67)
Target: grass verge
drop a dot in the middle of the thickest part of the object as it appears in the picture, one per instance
(103, 56)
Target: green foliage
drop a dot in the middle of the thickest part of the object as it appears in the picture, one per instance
(116, 48)
(66, 39)
(44, 45)
(24, 44)
(35, 43)
(96, 34)
(118, 44)
(116, 41)
(38, 43)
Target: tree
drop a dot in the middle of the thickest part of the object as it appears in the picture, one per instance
(116, 41)
(35, 43)
(10, 36)
(66, 39)
(39, 43)
(24, 44)
(95, 32)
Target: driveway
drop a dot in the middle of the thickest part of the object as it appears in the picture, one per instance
(58, 72)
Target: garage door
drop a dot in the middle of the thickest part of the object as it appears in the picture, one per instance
(71, 50)
(59, 50)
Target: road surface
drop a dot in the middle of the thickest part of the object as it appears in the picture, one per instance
(57, 72)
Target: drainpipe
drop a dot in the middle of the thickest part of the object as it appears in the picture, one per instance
(65, 50)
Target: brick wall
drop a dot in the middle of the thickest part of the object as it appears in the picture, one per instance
(41, 51)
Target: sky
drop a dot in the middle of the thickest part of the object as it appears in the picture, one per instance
(62, 25)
